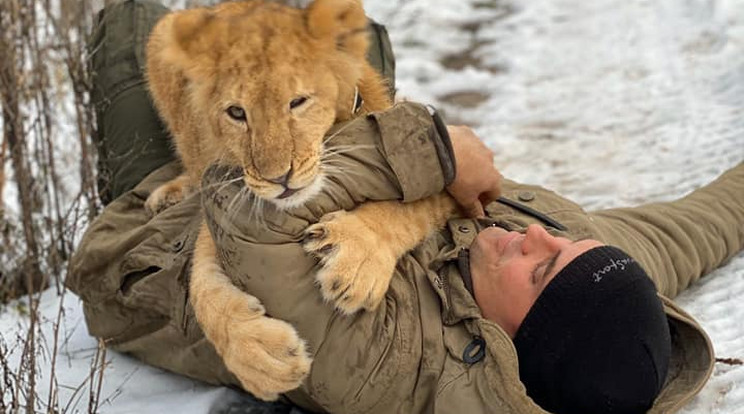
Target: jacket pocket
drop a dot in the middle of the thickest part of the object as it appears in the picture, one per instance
(149, 282)
(153, 277)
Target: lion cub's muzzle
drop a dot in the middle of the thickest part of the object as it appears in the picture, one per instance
(284, 182)
(289, 190)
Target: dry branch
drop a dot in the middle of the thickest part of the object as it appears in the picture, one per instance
(43, 76)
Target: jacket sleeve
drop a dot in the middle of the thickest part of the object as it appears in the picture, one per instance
(390, 155)
(414, 143)
(385, 156)
(403, 153)
(678, 242)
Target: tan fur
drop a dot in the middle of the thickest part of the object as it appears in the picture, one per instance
(265, 354)
(362, 256)
(261, 56)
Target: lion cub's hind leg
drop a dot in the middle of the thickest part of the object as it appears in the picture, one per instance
(359, 248)
(265, 354)
(169, 194)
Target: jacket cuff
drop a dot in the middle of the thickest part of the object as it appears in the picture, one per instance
(417, 147)
(444, 147)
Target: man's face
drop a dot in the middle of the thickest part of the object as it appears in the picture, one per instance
(511, 269)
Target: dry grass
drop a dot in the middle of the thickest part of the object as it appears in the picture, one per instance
(44, 63)
(46, 123)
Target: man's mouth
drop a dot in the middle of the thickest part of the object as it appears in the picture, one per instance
(505, 240)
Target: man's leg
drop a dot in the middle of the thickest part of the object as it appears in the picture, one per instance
(133, 141)
(680, 241)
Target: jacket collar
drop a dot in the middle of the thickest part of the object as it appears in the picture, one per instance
(692, 360)
(692, 351)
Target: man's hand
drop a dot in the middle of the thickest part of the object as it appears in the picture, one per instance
(477, 182)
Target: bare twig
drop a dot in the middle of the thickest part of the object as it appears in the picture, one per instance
(14, 20)
(730, 361)
(96, 377)
(42, 69)
(3, 157)
(8, 381)
(52, 400)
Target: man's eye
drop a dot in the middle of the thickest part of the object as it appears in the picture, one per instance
(542, 269)
(237, 113)
(538, 273)
(533, 276)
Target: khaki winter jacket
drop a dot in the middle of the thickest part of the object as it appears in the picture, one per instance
(418, 352)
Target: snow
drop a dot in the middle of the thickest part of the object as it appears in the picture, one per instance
(128, 385)
(608, 102)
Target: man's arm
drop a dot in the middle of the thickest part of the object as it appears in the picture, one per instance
(404, 153)
(390, 155)
(678, 242)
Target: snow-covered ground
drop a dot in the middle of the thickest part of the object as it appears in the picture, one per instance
(609, 102)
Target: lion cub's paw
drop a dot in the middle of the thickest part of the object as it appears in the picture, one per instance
(267, 356)
(165, 196)
(357, 265)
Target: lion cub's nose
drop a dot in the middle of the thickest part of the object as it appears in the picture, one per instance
(283, 180)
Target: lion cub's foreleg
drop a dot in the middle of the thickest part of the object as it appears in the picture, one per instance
(265, 354)
(359, 248)
(169, 194)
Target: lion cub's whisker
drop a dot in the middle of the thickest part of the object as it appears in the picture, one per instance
(342, 149)
(340, 167)
(223, 184)
(329, 138)
(337, 154)
(341, 163)
(338, 172)
(231, 208)
(257, 207)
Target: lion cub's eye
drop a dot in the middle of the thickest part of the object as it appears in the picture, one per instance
(237, 113)
(297, 102)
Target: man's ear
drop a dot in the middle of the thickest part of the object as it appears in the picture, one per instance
(189, 41)
(341, 23)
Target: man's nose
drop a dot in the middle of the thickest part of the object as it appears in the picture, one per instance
(537, 238)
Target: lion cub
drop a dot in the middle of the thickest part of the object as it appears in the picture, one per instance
(257, 85)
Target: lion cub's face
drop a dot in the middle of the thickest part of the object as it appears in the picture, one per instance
(270, 81)
(269, 109)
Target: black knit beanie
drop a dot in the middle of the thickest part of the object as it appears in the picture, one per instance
(597, 339)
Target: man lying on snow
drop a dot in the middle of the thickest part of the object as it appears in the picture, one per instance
(536, 306)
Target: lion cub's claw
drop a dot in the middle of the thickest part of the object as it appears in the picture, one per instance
(267, 356)
(357, 266)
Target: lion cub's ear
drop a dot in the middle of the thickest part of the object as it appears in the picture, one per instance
(340, 22)
(188, 41)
